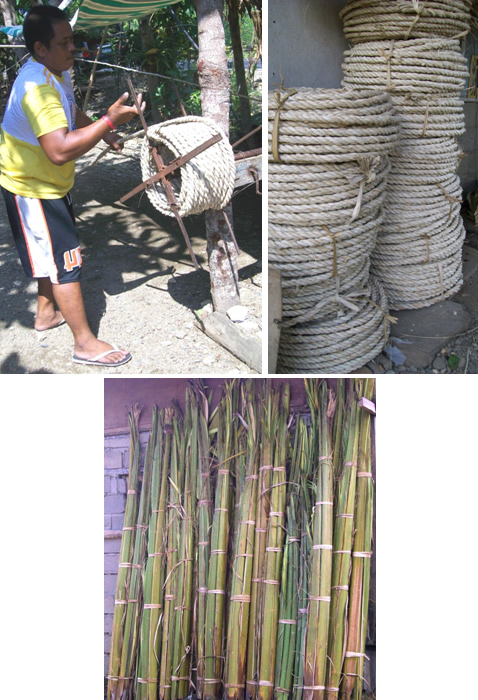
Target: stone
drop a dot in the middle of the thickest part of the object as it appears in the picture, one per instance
(439, 363)
(237, 313)
(421, 333)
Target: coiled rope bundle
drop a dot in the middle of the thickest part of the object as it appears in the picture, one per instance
(327, 181)
(319, 126)
(338, 344)
(375, 20)
(418, 66)
(418, 249)
(204, 182)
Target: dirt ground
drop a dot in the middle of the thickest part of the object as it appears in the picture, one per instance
(139, 284)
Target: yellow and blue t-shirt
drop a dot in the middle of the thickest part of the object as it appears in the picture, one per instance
(40, 102)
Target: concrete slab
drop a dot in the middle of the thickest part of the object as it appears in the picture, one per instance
(420, 333)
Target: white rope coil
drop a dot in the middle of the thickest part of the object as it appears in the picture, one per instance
(328, 153)
(416, 286)
(322, 299)
(433, 116)
(374, 20)
(335, 196)
(319, 126)
(419, 245)
(418, 65)
(323, 254)
(339, 344)
(328, 299)
(206, 181)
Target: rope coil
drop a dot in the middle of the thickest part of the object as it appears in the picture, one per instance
(373, 20)
(204, 182)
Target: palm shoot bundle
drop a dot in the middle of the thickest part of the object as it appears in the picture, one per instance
(240, 596)
(245, 557)
(360, 576)
(125, 558)
(321, 559)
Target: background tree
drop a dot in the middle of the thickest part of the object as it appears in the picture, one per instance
(214, 80)
(236, 9)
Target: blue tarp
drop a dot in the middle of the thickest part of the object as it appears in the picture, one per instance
(12, 31)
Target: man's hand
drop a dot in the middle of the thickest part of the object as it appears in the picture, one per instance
(119, 113)
(113, 140)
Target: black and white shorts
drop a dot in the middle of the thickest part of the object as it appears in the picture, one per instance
(46, 237)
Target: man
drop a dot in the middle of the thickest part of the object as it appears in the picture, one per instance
(43, 132)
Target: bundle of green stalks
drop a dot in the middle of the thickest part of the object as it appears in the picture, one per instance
(352, 679)
(342, 545)
(132, 618)
(153, 595)
(243, 552)
(290, 593)
(269, 416)
(245, 556)
(315, 662)
(273, 551)
(307, 442)
(115, 680)
(217, 575)
(200, 417)
(172, 548)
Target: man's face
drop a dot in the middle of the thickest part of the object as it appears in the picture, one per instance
(60, 55)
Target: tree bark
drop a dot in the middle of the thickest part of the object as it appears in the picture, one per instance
(147, 42)
(241, 82)
(215, 94)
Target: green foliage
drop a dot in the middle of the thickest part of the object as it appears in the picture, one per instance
(453, 362)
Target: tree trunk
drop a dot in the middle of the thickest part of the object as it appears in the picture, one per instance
(241, 83)
(215, 94)
(147, 42)
(7, 8)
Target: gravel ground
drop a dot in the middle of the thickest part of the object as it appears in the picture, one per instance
(139, 284)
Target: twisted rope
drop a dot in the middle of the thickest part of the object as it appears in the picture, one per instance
(204, 182)
(320, 126)
(418, 65)
(374, 20)
(326, 190)
(340, 344)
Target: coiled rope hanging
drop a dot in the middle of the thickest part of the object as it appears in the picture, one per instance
(204, 182)
(327, 181)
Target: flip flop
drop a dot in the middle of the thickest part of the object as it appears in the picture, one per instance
(96, 360)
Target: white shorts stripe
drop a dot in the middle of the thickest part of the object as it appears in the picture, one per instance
(37, 237)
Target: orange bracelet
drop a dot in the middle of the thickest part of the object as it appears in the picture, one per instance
(109, 122)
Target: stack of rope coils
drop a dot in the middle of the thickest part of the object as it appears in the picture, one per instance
(409, 50)
(328, 153)
(204, 182)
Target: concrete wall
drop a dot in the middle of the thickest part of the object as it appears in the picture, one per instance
(306, 43)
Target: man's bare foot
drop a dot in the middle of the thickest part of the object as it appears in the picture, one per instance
(47, 321)
(95, 347)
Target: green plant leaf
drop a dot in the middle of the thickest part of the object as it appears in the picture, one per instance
(453, 361)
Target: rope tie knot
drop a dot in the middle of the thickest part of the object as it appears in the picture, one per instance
(388, 58)
(275, 128)
(418, 7)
